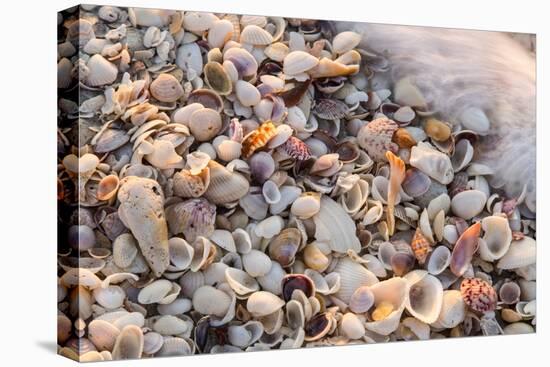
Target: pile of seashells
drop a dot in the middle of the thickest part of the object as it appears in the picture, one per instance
(240, 183)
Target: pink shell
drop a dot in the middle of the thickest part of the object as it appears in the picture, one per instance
(478, 294)
(376, 138)
(297, 149)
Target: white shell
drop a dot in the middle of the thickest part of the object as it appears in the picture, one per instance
(103, 334)
(220, 32)
(110, 297)
(467, 204)
(496, 239)
(521, 253)
(203, 301)
(171, 325)
(432, 162)
(101, 71)
(254, 35)
(224, 239)
(256, 263)
(241, 282)
(271, 282)
(263, 303)
(438, 260)
(394, 291)
(352, 276)
(429, 296)
(335, 227)
(453, 310)
(244, 335)
(345, 41)
(247, 93)
(351, 326)
(154, 292)
(297, 62)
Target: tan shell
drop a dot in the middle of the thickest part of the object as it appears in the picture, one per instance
(217, 78)
(103, 334)
(345, 41)
(297, 62)
(166, 88)
(107, 187)
(225, 186)
(187, 185)
(263, 303)
(254, 35)
(129, 344)
(142, 210)
(205, 124)
(220, 32)
(277, 51)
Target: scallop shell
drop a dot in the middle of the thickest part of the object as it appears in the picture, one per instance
(425, 296)
(335, 227)
(100, 71)
(254, 35)
(521, 253)
(479, 295)
(193, 218)
(225, 186)
(352, 276)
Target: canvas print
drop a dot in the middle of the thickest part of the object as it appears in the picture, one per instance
(235, 183)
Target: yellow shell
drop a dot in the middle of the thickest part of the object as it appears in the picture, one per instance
(437, 130)
(420, 246)
(258, 138)
(382, 311)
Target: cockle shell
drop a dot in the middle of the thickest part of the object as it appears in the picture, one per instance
(351, 326)
(254, 35)
(277, 51)
(345, 41)
(393, 292)
(110, 297)
(352, 276)
(257, 138)
(243, 61)
(521, 253)
(193, 218)
(205, 124)
(100, 71)
(241, 282)
(263, 303)
(244, 335)
(198, 22)
(256, 263)
(376, 138)
(284, 246)
(297, 62)
(361, 300)
(439, 260)
(335, 227)
(166, 88)
(432, 162)
(188, 185)
(307, 205)
(225, 186)
(479, 295)
(425, 296)
(142, 211)
(247, 94)
(220, 32)
(203, 299)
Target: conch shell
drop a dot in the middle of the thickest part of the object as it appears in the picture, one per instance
(142, 211)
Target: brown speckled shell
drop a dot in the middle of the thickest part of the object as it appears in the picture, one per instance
(376, 138)
(478, 294)
(258, 138)
(420, 246)
(297, 149)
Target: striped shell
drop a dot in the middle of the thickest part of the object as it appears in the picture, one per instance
(258, 138)
(297, 149)
(478, 294)
(376, 138)
(166, 88)
(420, 246)
(330, 109)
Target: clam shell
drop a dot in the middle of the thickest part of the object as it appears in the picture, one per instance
(198, 22)
(100, 71)
(497, 238)
(247, 94)
(217, 78)
(439, 260)
(361, 300)
(335, 227)
(154, 292)
(152, 342)
(103, 334)
(203, 297)
(241, 282)
(393, 291)
(220, 32)
(433, 163)
(271, 282)
(306, 206)
(297, 62)
(189, 58)
(277, 51)
(256, 263)
(110, 297)
(284, 246)
(521, 253)
(171, 325)
(225, 186)
(467, 204)
(175, 346)
(243, 61)
(188, 185)
(352, 276)
(124, 250)
(464, 249)
(263, 303)
(453, 310)
(181, 253)
(205, 124)
(425, 296)
(345, 41)
(193, 218)
(129, 343)
(351, 326)
(254, 35)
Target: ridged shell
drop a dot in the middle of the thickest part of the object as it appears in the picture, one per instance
(257, 138)
(352, 276)
(166, 88)
(479, 295)
(100, 71)
(376, 138)
(254, 35)
(520, 254)
(225, 186)
(154, 292)
(187, 185)
(193, 218)
(335, 227)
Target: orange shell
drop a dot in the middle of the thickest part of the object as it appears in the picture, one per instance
(256, 139)
(420, 246)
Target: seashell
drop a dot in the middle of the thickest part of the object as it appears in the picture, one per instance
(345, 41)
(271, 282)
(189, 59)
(257, 138)
(152, 342)
(334, 226)
(479, 295)
(263, 303)
(352, 276)
(397, 175)
(295, 314)
(464, 249)
(225, 186)
(154, 292)
(293, 282)
(521, 253)
(254, 35)
(219, 33)
(361, 300)
(296, 149)
(146, 17)
(376, 138)
(269, 227)
(463, 154)
(204, 253)
(80, 32)
(402, 263)
(509, 293)
(103, 334)
(110, 297)
(421, 246)
(181, 253)
(254, 205)
(217, 78)
(518, 328)
(193, 218)
(330, 109)
(224, 239)
(318, 326)
(198, 22)
(64, 68)
(467, 204)
(314, 258)
(416, 182)
(202, 301)
(277, 51)
(328, 68)
(247, 94)
(100, 71)
(351, 326)
(307, 205)
(175, 346)
(284, 246)
(205, 124)
(437, 129)
(390, 295)
(453, 310)
(142, 211)
(179, 306)
(433, 163)
(407, 94)
(227, 149)
(244, 335)
(242, 60)
(171, 325)
(129, 343)
(271, 192)
(107, 187)
(256, 263)
(439, 260)
(496, 238)
(188, 185)
(425, 296)
(262, 166)
(297, 62)
(163, 155)
(241, 282)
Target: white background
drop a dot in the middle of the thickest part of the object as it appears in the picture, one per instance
(27, 204)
